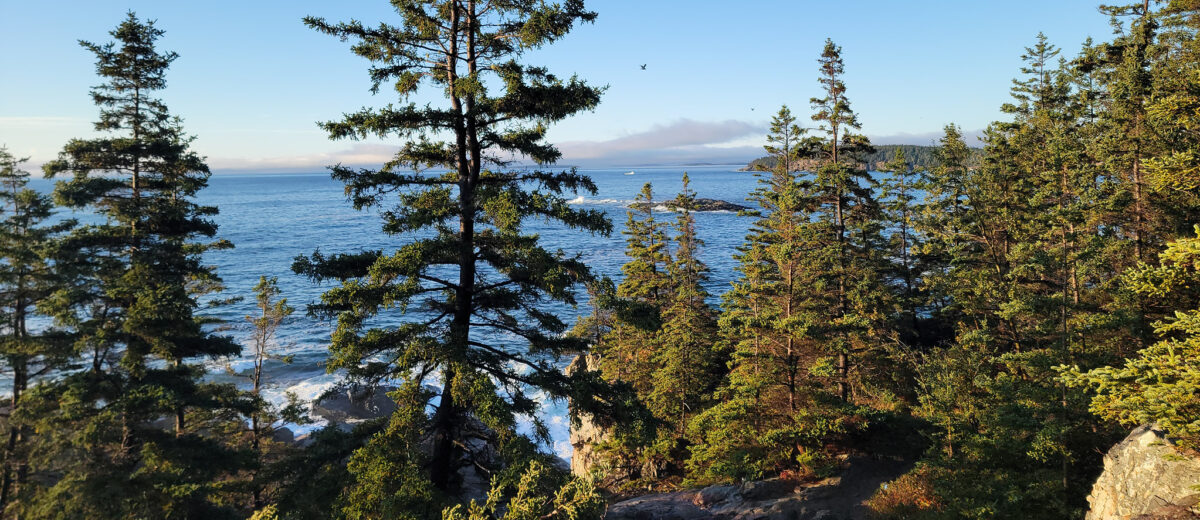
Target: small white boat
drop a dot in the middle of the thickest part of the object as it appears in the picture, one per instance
(629, 173)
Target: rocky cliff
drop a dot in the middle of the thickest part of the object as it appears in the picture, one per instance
(584, 434)
(1145, 478)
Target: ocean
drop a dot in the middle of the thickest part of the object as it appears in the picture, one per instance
(272, 218)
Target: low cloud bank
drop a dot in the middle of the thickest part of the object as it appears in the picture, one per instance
(682, 142)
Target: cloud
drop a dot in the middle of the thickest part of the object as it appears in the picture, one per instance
(684, 139)
(358, 155)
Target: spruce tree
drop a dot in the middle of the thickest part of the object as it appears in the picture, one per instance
(627, 352)
(685, 374)
(1159, 384)
(461, 302)
(772, 413)
(849, 212)
(27, 278)
(941, 221)
(900, 210)
(106, 450)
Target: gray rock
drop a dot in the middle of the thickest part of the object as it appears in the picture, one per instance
(283, 434)
(765, 489)
(713, 495)
(354, 403)
(700, 205)
(1142, 474)
(834, 498)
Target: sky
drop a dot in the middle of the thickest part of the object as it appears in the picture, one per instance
(252, 81)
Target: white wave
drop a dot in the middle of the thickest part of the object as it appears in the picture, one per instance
(582, 200)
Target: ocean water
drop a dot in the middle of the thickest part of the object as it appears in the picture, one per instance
(272, 218)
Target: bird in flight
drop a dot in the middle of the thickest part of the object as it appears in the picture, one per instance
(643, 66)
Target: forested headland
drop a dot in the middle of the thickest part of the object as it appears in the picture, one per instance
(993, 318)
(916, 156)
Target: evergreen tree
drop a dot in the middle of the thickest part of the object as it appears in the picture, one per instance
(462, 301)
(1159, 384)
(1021, 281)
(627, 352)
(771, 413)
(27, 278)
(850, 217)
(900, 211)
(104, 451)
(942, 222)
(685, 374)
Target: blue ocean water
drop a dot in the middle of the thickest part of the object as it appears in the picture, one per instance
(272, 218)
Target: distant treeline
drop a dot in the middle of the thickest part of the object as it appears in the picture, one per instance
(919, 157)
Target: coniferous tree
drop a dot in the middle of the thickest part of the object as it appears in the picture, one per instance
(27, 278)
(848, 211)
(900, 210)
(1021, 282)
(627, 352)
(685, 362)
(469, 288)
(771, 413)
(105, 450)
(1159, 384)
(942, 222)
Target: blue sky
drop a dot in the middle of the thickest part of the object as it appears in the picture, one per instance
(252, 80)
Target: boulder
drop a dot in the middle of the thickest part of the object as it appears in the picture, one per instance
(354, 403)
(284, 435)
(1144, 475)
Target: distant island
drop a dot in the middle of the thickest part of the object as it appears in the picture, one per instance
(920, 157)
(700, 205)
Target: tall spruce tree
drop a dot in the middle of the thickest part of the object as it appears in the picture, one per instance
(105, 451)
(1022, 282)
(686, 371)
(847, 208)
(771, 413)
(627, 352)
(27, 278)
(468, 285)
(941, 220)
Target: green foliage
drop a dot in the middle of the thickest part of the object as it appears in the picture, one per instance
(27, 277)
(387, 474)
(808, 296)
(919, 157)
(541, 494)
(627, 350)
(662, 338)
(137, 278)
(265, 419)
(1161, 383)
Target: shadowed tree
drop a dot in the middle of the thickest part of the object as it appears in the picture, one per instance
(134, 309)
(27, 277)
